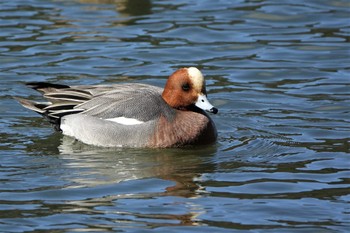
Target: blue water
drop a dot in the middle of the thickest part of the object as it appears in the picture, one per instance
(278, 71)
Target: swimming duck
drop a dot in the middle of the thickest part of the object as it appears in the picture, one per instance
(131, 115)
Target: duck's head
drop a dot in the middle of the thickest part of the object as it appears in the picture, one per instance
(185, 88)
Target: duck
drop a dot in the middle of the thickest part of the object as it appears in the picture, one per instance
(131, 114)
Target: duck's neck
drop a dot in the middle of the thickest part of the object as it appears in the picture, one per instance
(170, 98)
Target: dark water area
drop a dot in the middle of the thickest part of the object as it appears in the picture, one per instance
(278, 71)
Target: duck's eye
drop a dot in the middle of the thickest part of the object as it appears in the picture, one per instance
(186, 87)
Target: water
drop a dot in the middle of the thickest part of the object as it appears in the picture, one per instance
(277, 70)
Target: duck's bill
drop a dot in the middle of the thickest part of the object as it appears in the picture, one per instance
(203, 103)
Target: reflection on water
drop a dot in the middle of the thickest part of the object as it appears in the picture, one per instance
(277, 71)
(100, 178)
(126, 7)
(113, 165)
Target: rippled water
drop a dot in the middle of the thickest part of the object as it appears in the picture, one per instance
(277, 70)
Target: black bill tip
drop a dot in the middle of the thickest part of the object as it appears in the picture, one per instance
(214, 110)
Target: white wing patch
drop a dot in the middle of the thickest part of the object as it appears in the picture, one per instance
(125, 121)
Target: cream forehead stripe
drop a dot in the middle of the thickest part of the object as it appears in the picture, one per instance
(196, 77)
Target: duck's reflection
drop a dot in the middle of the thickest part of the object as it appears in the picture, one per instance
(109, 165)
(93, 168)
(182, 167)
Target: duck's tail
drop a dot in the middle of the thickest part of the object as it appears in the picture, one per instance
(62, 101)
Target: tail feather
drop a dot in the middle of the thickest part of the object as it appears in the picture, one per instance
(35, 106)
(62, 100)
(61, 113)
(40, 108)
(66, 97)
(42, 86)
(60, 106)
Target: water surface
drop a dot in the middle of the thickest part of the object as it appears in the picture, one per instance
(277, 71)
